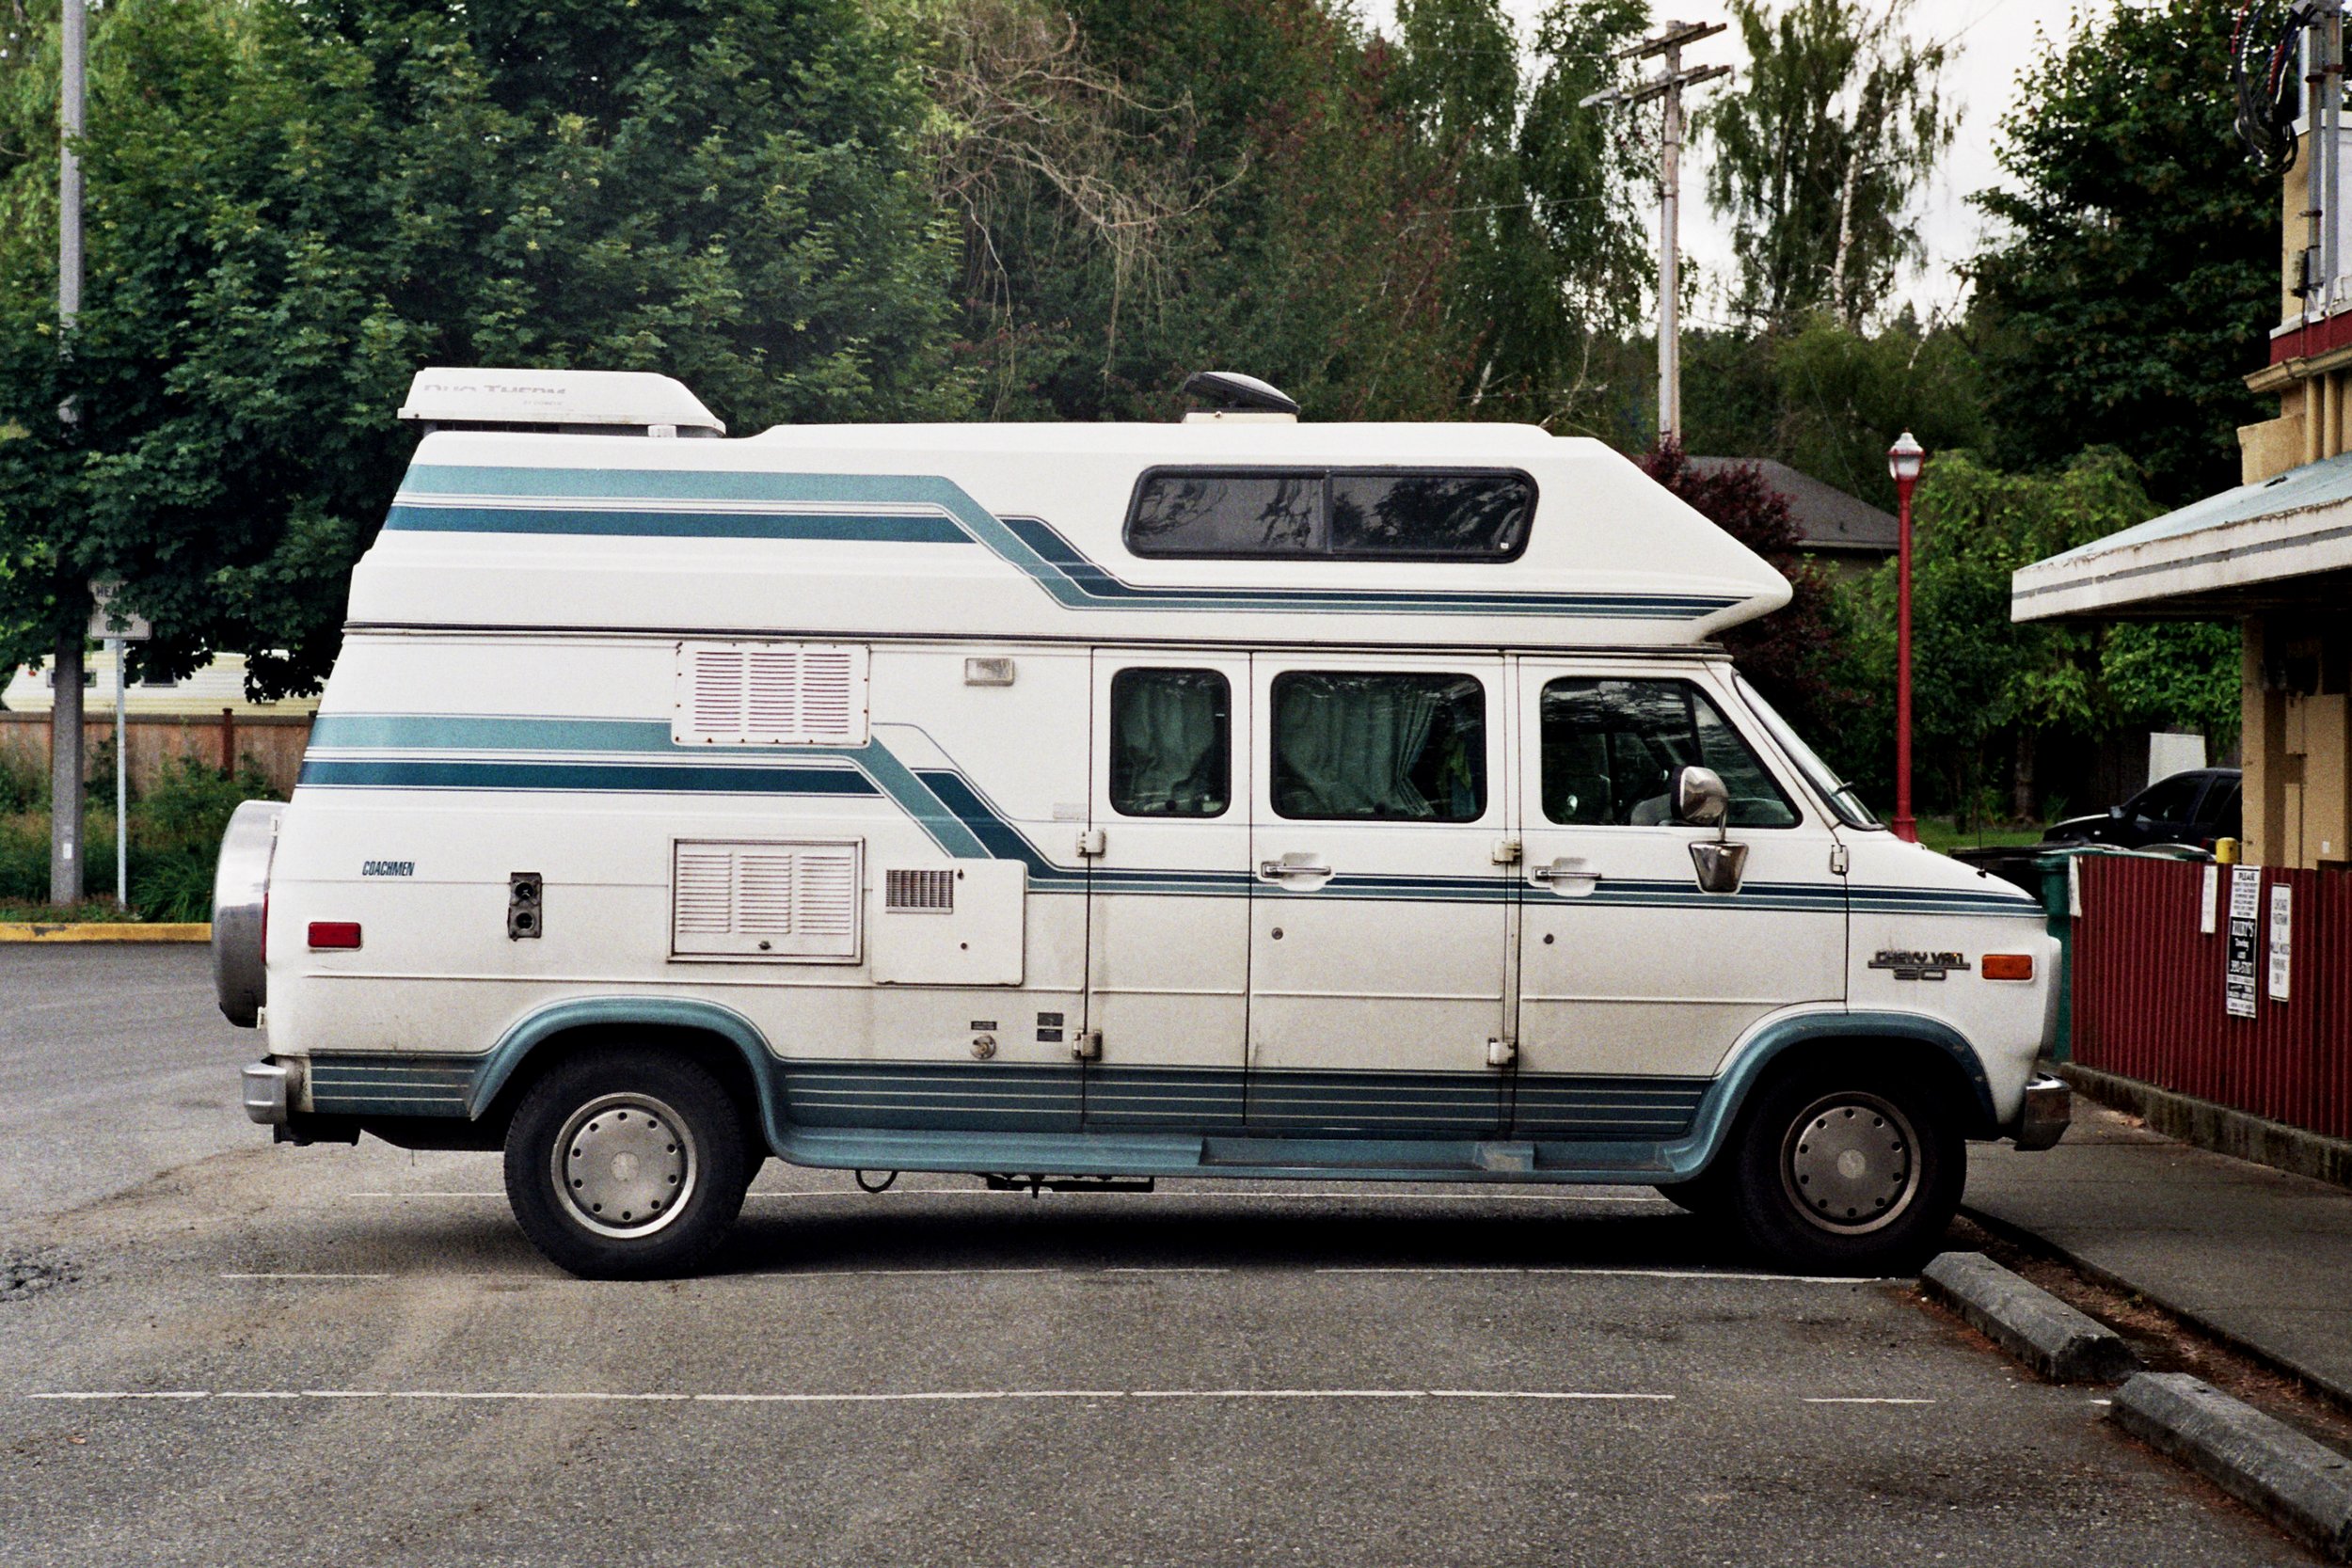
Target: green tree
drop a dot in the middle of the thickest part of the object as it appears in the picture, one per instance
(1827, 398)
(2139, 271)
(1818, 150)
(293, 206)
(1988, 693)
(1551, 254)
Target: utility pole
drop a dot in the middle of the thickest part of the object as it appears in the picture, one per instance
(1669, 84)
(65, 713)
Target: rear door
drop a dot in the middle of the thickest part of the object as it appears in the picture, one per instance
(1379, 910)
(1168, 924)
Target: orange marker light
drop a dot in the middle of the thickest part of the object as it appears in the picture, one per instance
(334, 933)
(2003, 966)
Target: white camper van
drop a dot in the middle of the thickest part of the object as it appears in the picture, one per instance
(1239, 796)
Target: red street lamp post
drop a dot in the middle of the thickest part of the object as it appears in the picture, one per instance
(1904, 460)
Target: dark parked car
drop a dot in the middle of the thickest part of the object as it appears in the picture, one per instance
(2195, 807)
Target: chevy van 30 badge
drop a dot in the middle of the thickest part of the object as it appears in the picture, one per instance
(1918, 966)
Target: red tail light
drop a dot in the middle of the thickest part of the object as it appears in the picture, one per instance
(334, 933)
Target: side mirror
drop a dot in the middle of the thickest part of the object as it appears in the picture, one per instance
(2116, 811)
(1700, 800)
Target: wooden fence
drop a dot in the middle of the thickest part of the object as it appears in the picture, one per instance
(2151, 978)
(273, 742)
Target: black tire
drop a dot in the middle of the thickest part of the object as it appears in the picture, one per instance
(1848, 1168)
(656, 1165)
(1706, 1194)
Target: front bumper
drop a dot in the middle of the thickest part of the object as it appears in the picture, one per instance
(2048, 1111)
(271, 1089)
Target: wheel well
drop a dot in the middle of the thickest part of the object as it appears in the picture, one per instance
(711, 1051)
(1922, 1061)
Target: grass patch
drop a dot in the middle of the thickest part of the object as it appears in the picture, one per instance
(175, 840)
(1944, 835)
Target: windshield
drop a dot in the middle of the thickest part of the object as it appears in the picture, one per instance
(1840, 795)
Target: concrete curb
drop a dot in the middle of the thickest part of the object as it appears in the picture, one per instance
(2027, 1321)
(2298, 1485)
(2237, 1133)
(2155, 1296)
(104, 931)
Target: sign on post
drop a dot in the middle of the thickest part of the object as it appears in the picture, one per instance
(108, 623)
(2281, 938)
(2245, 892)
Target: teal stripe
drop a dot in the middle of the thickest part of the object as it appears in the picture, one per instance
(639, 523)
(501, 733)
(485, 733)
(1072, 580)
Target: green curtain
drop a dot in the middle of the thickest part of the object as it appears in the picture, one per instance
(1361, 746)
(1168, 749)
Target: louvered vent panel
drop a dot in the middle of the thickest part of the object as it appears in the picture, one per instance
(764, 893)
(716, 697)
(770, 695)
(706, 892)
(825, 903)
(919, 891)
(766, 900)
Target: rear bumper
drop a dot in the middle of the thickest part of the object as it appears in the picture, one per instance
(2048, 1111)
(271, 1089)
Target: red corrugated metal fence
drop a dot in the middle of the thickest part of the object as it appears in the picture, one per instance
(2151, 987)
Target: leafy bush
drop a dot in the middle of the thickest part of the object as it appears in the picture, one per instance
(22, 786)
(24, 859)
(176, 829)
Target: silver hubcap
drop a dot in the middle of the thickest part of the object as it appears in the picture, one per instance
(626, 1164)
(1849, 1162)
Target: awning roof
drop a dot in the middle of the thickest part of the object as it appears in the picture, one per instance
(2283, 544)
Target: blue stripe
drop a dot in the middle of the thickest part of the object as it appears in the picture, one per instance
(598, 776)
(944, 802)
(452, 498)
(637, 522)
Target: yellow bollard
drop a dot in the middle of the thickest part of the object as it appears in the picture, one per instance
(2225, 851)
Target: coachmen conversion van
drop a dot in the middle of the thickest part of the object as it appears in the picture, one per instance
(1062, 802)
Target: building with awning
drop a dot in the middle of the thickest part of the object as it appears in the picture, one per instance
(2276, 557)
(2216, 1000)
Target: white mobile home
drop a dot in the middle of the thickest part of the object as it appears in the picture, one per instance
(1238, 797)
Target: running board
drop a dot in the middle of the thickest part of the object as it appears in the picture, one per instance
(1371, 1153)
(1131, 1156)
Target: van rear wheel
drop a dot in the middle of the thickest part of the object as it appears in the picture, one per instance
(626, 1164)
(1848, 1170)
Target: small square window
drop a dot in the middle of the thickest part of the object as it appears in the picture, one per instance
(1170, 743)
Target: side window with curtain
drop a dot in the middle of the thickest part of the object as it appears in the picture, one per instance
(1171, 743)
(1379, 746)
(1611, 748)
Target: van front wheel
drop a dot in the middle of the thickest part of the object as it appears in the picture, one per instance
(1849, 1170)
(626, 1164)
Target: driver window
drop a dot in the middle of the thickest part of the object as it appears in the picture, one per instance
(2169, 801)
(1611, 748)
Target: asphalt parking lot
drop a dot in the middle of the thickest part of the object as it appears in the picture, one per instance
(350, 1355)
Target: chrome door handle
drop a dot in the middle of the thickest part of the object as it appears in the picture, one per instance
(1569, 878)
(1276, 870)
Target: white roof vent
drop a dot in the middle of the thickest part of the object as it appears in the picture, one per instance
(1239, 399)
(574, 402)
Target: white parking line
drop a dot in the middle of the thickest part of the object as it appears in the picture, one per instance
(1609, 1274)
(305, 1276)
(928, 1396)
(1470, 1196)
(1856, 1398)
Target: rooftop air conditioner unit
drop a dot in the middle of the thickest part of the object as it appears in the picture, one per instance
(569, 403)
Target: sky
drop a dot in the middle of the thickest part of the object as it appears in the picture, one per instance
(1996, 39)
